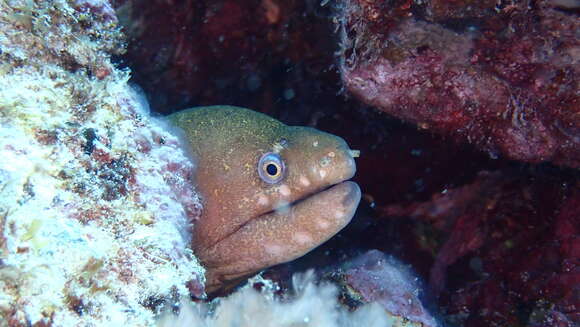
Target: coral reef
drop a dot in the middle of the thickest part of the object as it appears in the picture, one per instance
(96, 200)
(501, 75)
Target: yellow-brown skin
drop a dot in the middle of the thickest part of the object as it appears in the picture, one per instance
(249, 224)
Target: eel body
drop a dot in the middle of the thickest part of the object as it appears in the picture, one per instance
(271, 192)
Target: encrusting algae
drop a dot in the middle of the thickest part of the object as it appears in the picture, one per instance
(95, 196)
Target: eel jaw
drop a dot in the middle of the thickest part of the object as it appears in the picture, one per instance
(280, 236)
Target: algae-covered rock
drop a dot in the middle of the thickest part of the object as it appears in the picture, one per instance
(96, 202)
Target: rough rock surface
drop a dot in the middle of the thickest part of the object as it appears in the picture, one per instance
(374, 277)
(96, 201)
(502, 75)
(509, 250)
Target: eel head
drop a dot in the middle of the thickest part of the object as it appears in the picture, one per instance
(271, 192)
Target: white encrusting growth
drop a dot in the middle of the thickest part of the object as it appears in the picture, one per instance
(313, 305)
(94, 209)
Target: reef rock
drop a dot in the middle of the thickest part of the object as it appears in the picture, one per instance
(96, 201)
(374, 277)
(502, 75)
(509, 248)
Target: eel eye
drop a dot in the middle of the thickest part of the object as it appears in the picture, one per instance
(271, 168)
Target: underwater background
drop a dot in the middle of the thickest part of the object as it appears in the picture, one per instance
(466, 115)
(470, 176)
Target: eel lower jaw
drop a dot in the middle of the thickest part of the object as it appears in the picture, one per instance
(281, 235)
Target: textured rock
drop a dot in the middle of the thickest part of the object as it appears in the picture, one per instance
(502, 76)
(373, 277)
(96, 200)
(509, 250)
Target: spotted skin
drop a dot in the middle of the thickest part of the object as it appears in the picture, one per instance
(249, 224)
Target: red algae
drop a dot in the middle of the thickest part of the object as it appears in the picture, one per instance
(501, 77)
(509, 251)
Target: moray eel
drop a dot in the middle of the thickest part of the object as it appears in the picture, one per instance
(271, 192)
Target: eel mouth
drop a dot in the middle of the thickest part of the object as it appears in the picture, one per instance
(351, 197)
(348, 194)
(285, 232)
(343, 196)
